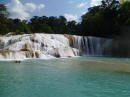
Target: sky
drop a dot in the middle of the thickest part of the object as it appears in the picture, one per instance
(71, 9)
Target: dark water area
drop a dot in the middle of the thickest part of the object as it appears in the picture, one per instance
(74, 77)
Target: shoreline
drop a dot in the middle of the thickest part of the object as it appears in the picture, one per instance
(38, 58)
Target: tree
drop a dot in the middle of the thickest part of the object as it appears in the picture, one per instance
(2, 9)
(101, 20)
(125, 13)
(3, 21)
(71, 27)
(58, 25)
(105, 20)
(62, 24)
(40, 24)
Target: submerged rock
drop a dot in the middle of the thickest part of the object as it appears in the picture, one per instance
(17, 61)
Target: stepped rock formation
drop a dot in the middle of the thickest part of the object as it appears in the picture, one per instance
(46, 46)
(42, 46)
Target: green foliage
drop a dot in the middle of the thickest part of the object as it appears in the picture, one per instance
(124, 12)
(127, 21)
(71, 27)
(40, 24)
(105, 20)
(3, 29)
(2, 8)
(3, 11)
(17, 31)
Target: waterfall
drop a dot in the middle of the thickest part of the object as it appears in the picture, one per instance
(46, 46)
(93, 46)
(36, 46)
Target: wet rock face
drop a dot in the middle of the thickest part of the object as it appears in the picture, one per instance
(46, 46)
(35, 46)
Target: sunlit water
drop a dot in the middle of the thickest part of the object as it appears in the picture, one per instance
(74, 77)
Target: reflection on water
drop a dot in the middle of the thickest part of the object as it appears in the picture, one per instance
(76, 77)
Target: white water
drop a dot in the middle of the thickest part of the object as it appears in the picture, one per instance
(93, 46)
(46, 46)
(42, 46)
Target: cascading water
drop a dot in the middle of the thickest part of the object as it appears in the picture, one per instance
(93, 46)
(35, 46)
(54, 45)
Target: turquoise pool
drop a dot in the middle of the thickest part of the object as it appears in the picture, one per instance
(74, 77)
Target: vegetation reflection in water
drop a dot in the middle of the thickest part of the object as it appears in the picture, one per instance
(76, 77)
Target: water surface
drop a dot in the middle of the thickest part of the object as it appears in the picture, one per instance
(74, 77)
